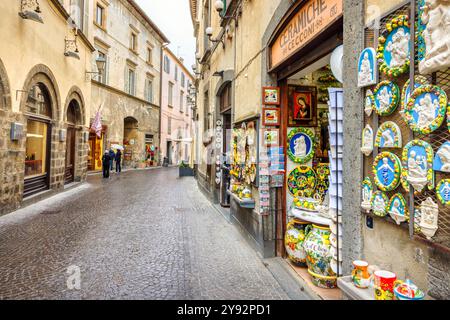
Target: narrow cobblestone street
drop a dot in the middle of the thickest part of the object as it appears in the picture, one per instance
(140, 235)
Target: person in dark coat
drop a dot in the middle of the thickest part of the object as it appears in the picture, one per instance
(118, 160)
(112, 155)
(106, 163)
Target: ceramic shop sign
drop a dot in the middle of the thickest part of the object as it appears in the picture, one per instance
(387, 170)
(386, 97)
(301, 143)
(393, 50)
(369, 103)
(388, 135)
(379, 203)
(433, 32)
(302, 181)
(417, 161)
(443, 191)
(397, 208)
(367, 140)
(442, 159)
(367, 68)
(426, 108)
(367, 190)
(429, 217)
(406, 91)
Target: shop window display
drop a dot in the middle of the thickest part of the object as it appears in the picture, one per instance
(36, 148)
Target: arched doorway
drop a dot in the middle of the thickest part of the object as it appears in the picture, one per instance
(38, 138)
(73, 119)
(130, 141)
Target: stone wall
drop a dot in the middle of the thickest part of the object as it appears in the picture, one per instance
(439, 275)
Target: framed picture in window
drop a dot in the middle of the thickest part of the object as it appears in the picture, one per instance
(302, 103)
(271, 96)
(270, 116)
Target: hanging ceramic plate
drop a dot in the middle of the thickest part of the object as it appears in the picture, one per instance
(398, 208)
(302, 180)
(393, 50)
(323, 171)
(387, 171)
(425, 110)
(379, 204)
(443, 191)
(301, 145)
(417, 165)
(406, 92)
(386, 97)
(389, 135)
(441, 160)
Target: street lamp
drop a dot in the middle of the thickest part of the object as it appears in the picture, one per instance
(209, 32)
(101, 65)
(30, 10)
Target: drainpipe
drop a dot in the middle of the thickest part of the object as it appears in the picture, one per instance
(161, 70)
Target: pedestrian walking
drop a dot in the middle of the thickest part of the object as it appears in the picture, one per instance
(112, 155)
(106, 163)
(118, 161)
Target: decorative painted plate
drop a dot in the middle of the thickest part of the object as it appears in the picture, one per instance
(387, 170)
(379, 203)
(301, 143)
(425, 110)
(417, 165)
(443, 191)
(302, 181)
(389, 135)
(398, 208)
(442, 158)
(323, 171)
(393, 50)
(386, 97)
(406, 91)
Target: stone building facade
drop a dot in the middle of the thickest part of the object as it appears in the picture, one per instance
(44, 100)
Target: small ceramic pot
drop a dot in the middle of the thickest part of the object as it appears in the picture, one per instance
(383, 284)
(360, 274)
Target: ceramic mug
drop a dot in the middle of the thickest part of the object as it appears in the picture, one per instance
(383, 283)
(360, 274)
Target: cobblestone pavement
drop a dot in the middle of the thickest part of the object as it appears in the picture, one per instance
(139, 235)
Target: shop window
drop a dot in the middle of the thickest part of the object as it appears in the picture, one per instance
(38, 101)
(36, 148)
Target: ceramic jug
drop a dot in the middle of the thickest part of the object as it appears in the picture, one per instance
(293, 241)
(360, 274)
(318, 257)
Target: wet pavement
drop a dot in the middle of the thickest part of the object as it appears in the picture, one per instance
(140, 235)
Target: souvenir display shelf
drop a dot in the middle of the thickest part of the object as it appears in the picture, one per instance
(244, 203)
(436, 138)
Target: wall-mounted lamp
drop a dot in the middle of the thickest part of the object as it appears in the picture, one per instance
(30, 10)
(209, 32)
(71, 47)
(218, 74)
(101, 64)
(194, 68)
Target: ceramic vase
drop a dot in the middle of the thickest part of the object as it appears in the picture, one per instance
(318, 257)
(293, 240)
(360, 274)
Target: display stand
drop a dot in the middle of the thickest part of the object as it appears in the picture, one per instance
(310, 216)
(352, 292)
(247, 203)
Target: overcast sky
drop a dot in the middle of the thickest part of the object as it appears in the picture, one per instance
(173, 17)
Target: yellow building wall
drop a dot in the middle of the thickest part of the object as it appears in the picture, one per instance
(377, 8)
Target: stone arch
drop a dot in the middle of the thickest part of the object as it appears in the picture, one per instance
(5, 93)
(42, 74)
(76, 94)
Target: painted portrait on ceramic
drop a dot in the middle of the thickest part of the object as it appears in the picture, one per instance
(271, 96)
(369, 103)
(367, 191)
(443, 191)
(301, 145)
(367, 68)
(432, 33)
(417, 162)
(442, 158)
(393, 51)
(397, 208)
(302, 181)
(389, 135)
(379, 203)
(367, 140)
(386, 97)
(387, 171)
(406, 91)
(426, 108)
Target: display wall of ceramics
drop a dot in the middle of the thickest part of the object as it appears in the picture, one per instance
(429, 212)
(426, 108)
(295, 236)
(367, 68)
(367, 191)
(398, 208)
(443, 191)
(302, 181)
(369, 103)
(301, 145)
(432, 34)
(387, 170)
(389, 135)
(441, 160)
(367, 140)
(393, 52)
(417, 162)
(417, 215)
(406, 91)
(379, 203)
(386, 96)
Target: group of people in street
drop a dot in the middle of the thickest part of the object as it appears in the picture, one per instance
(108, 160)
